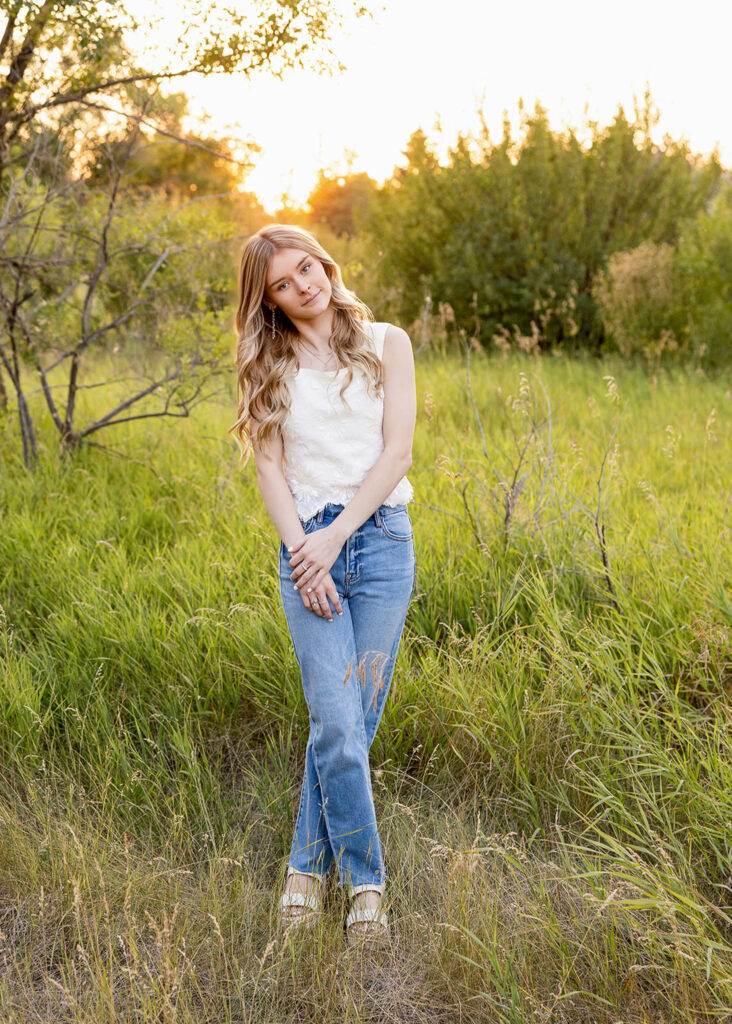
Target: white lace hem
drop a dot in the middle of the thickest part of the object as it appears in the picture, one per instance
(308, 505)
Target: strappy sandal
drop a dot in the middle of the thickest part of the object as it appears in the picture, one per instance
(310, 903)
(375, 917)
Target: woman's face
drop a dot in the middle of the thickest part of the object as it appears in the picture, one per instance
(298, 284)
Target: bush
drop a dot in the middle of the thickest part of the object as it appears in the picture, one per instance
(704, 276)
(512, 234)
(657, 300)
(635, 296)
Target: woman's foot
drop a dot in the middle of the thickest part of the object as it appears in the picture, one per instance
(301, 902)
(366, 921)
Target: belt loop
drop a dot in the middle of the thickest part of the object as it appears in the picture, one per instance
(377, 517)
(319, 516)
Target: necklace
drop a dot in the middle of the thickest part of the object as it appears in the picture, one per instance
(323, 362)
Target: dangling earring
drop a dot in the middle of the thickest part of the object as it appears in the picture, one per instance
(273, 323)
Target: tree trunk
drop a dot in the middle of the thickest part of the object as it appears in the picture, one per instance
(27, 432)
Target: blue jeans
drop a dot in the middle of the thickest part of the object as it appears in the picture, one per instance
(346, 667)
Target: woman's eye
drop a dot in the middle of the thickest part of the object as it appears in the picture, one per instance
(307, 266)
(281, 286)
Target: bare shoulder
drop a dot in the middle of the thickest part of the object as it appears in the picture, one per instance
(397, 360)
(397, 343)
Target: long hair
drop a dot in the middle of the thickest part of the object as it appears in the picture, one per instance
(263, 362)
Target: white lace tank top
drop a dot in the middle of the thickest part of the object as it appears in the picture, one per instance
(329, 448)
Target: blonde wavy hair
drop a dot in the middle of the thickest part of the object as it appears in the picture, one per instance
(264, 362)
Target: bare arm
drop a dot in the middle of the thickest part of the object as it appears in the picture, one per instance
(400, 413)
(273, 487)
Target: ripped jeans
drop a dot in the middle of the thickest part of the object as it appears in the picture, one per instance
(346, 667)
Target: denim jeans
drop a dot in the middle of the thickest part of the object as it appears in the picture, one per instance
(346, 668)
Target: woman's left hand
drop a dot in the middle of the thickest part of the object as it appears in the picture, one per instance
(313, 557)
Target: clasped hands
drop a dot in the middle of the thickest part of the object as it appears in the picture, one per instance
(311, 561)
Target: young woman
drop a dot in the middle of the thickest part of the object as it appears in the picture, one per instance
(327, 406)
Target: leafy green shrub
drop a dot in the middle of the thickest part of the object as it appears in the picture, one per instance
(511, 234)
(704, 275)
(661, 299)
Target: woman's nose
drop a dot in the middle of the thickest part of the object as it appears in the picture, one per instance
(303, 285)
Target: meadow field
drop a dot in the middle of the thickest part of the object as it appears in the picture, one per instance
(553, 772)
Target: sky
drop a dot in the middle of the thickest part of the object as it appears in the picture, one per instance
(434, 65)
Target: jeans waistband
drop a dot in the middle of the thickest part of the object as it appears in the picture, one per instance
(332, 509)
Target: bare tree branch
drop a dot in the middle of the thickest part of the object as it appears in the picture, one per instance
(112, 417)
(19, 63)
(145, 123)
(50, 402)
(9, 28)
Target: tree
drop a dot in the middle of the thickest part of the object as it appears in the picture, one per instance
(80, 261)
(703, 279)
(340, 201)
(90, 268)
(61, 53)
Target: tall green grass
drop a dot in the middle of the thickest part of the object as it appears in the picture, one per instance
(552, 773)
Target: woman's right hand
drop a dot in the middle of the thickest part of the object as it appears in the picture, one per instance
(319, 599)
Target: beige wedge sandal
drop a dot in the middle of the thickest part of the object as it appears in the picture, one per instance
(310, 903)
(367, 924)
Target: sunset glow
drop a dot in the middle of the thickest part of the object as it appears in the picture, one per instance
(434, 65)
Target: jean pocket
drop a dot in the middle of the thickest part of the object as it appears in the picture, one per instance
(396, 524)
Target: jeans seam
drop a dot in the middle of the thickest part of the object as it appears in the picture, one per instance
(299, 814)
(381, 869)
(382, 525)
(396, 536)
(338, 857)
(292, 639)
(310, 842)
(302, 793)
(392, 660)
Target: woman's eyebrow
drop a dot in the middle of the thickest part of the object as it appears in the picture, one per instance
(273, 283)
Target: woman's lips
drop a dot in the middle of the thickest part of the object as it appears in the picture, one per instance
(311, 298)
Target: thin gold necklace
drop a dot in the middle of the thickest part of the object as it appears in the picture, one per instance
(321, 360)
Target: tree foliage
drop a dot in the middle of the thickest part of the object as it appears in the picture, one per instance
(339, 202)
(703, 273)
(167, 159)
(659, 298)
